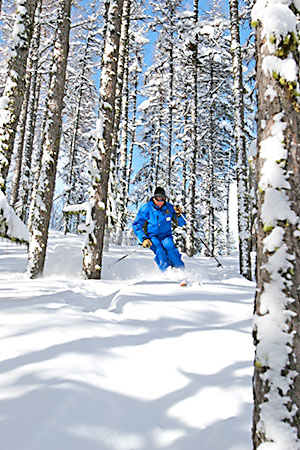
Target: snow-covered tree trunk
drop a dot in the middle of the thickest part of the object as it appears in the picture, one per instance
(121, 110)
(44, 190)
(122, 179)
(170, 112)
(35, 85)
(20, 144)
(276, 419)
(101, 156)
(209, 219)
(75, 131)
(227, 208)
(158, 147)
(185, 146)
(27, 175)
(191, 207)
(240, 143)
(122, 61)
(133, 121)
(12, 98)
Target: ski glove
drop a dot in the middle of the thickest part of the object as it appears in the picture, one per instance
(178, 210)
(146, 243)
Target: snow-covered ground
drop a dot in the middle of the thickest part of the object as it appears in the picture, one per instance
(131, 362)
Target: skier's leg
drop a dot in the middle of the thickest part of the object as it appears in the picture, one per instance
(161, 258)
(173, 254)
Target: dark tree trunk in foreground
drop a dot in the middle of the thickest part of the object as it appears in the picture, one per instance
(276, 419)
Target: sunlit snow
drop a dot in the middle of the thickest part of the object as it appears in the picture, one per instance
(133, 361)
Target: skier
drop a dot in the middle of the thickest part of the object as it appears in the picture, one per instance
(153, 227)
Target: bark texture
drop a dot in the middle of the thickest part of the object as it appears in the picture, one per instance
(12, 99)
(101, 158)
(277, 386)
(44, 190)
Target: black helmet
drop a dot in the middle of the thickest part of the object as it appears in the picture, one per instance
(160, 191)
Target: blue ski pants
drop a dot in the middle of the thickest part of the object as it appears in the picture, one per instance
(166, 254)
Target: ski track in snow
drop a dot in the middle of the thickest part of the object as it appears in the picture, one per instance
(130, 362)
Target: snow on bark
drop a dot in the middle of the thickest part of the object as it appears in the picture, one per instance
(35, 85)
(44, 190)
(276, 422)
(12, 97)
(191, 201)
(240, 143)
(101, 154)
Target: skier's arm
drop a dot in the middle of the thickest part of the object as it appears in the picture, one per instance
(178, 216)
(139, 224)
(181, 220)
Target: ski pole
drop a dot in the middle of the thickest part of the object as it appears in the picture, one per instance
(123, 257)
(210, 254)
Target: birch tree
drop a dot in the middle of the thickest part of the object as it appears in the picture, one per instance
(240, 143)
(12, 98)
(276, 420)
(101, 156)
(44, 190)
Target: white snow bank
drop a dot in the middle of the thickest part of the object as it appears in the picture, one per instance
(10, 224)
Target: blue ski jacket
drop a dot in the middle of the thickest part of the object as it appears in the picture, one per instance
(154, 221)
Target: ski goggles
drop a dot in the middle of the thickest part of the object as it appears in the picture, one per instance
(160, 198)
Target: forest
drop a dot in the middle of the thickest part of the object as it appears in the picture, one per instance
(102, 101)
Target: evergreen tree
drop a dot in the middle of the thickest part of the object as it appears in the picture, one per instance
(215, 99)
(166, 15)
(81, 103)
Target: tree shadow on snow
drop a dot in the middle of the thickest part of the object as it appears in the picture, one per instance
(71, 415)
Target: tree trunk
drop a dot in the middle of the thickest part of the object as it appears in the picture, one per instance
(240, 144)
(123, 56)
(20, 144)
(122, 180)
(101, 157)
(11, 101)
(122, 106)
(276, 419)
(73, 143)
(34, 94)
(44, 191)
(133, 121)
(191, 210)
(27, 178)
(170, 112)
